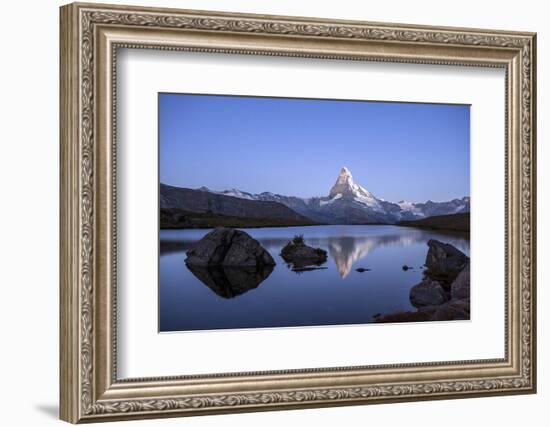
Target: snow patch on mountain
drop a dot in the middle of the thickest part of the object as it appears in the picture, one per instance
(332, 200)
(238, 193)
(410, 207)
(371, 202)
(459, 208)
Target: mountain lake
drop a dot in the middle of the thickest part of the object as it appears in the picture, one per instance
(333, 293)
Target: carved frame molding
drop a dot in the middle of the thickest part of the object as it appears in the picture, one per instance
(90, 36)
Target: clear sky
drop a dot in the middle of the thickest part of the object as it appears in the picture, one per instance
(296, 147)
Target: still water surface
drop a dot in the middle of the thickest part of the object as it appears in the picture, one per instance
(333, 294)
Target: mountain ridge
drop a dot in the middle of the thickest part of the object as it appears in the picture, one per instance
(189, 208)
(350, 203)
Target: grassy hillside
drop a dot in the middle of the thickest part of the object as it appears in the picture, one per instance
(179, 218)
(455, 222)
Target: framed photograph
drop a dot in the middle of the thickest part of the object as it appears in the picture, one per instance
(266, 212)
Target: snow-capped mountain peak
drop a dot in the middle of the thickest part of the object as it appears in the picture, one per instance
(344, 183)
(346, 187)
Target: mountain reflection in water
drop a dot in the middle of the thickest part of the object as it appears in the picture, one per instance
(220, 298)
(346, 250)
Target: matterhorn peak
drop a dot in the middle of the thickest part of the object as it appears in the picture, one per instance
(344, 183)
(345, 171)
(346, 188)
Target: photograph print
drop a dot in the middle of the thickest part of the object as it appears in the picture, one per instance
(290, 212)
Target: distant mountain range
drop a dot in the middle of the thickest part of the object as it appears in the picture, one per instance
(346, 203)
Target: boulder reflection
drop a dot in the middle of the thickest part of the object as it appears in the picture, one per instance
(229, 282)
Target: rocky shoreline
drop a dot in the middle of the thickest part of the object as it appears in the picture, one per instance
(444, 292)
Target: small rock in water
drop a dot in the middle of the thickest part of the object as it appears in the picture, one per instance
(297, 253)
(302, 269)
(406, 267)
(362, 270)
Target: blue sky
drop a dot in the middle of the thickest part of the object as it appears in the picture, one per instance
(398, 151)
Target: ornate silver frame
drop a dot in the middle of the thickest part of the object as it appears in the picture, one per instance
(90, 36)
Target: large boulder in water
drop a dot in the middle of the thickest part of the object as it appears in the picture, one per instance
(444, 261)
(228, 247)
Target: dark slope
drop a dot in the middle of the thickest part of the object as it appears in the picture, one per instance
(186, 208)
(454, 222)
